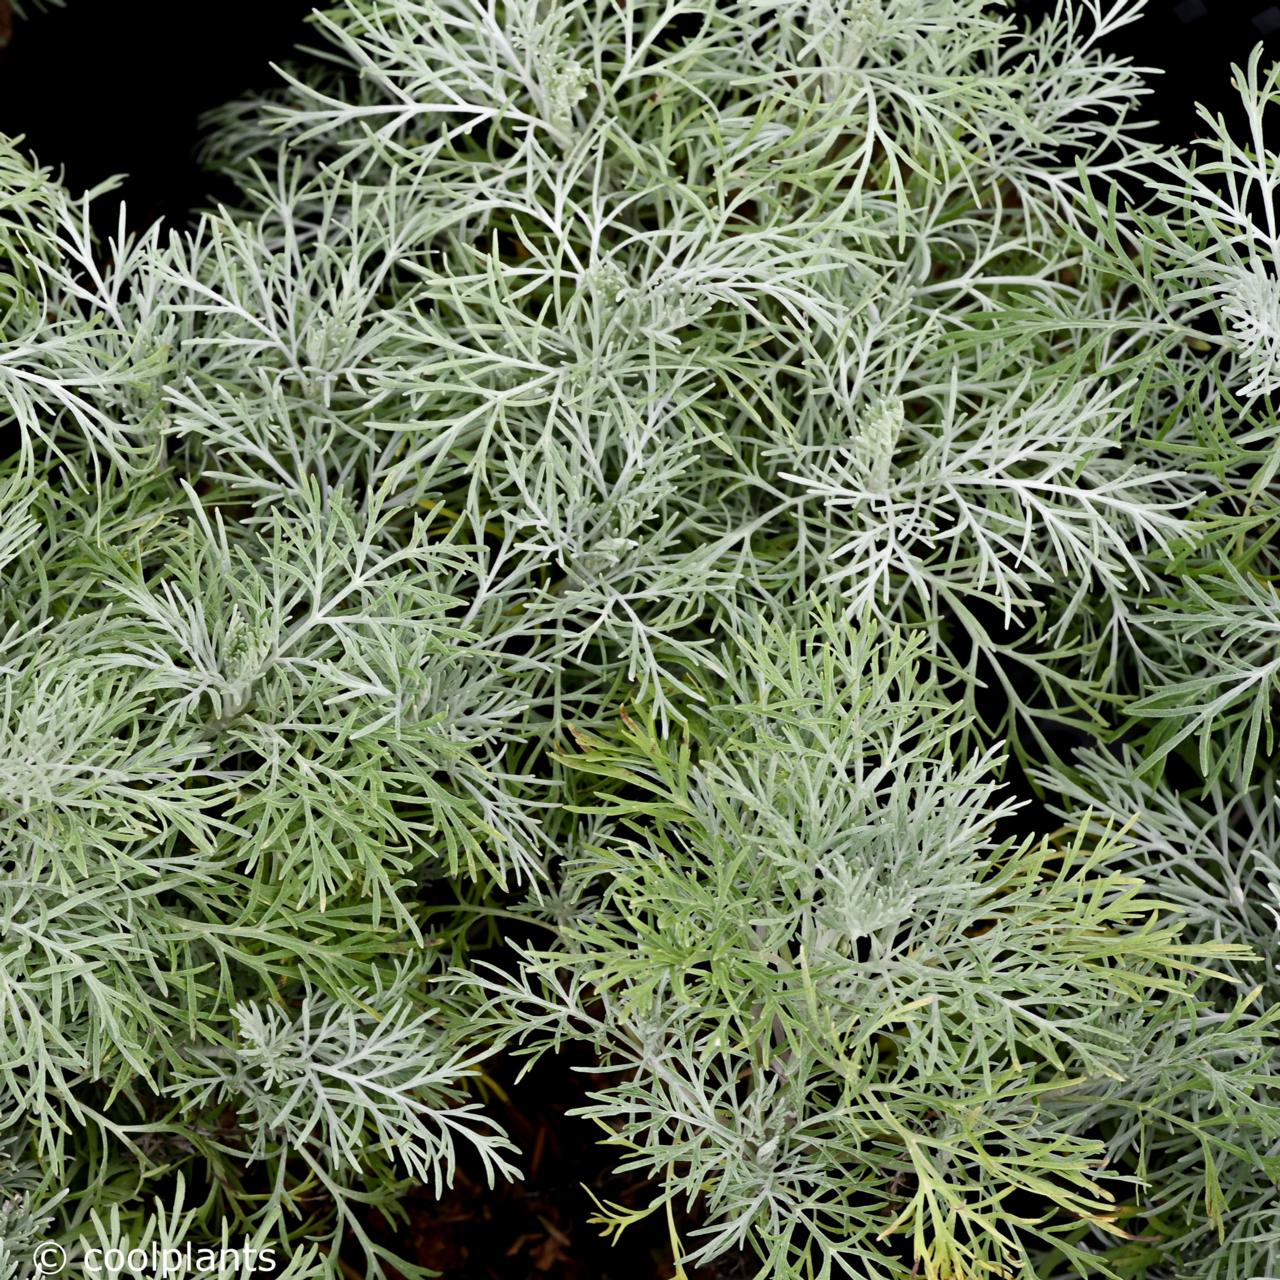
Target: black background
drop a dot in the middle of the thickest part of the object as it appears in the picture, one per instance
(103, 87)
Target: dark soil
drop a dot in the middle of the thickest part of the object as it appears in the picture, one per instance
(539, 1227)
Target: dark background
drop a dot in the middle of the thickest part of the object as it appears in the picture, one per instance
(102, 87)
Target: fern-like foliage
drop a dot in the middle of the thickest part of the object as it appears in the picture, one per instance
(844, 1014)
(847, 390)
